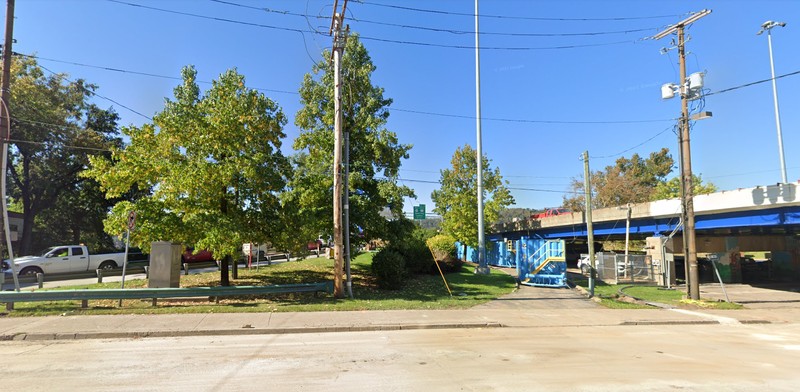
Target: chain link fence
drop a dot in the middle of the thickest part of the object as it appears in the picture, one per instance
(612, 268)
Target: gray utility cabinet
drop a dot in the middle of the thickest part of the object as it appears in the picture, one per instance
(165, 265)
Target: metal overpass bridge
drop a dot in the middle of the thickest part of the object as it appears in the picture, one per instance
(728, 223)
(767, 210)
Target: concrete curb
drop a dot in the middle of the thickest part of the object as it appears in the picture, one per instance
(241, 331)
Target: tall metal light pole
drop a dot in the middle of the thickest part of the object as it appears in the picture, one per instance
(767, 26)
(690, 254)
(482, 266)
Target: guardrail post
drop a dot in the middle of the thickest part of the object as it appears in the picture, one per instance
(185, 268)
(84, 303)
(40, 279)
(146, 272)
(99, 275)
(9, 306)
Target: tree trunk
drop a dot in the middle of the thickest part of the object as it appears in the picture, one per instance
(27, 231)
(224, 279)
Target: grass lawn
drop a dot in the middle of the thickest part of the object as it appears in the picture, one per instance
(420, 292)
(610, 297)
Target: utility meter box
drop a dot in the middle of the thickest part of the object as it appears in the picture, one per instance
(165, 265)
(659, 249)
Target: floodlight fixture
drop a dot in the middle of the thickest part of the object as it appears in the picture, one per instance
(768, 25)
(691, 19)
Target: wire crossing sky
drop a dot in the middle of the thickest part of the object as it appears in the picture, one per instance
(558, 77)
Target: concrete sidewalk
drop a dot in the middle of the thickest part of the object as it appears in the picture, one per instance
(529, 307)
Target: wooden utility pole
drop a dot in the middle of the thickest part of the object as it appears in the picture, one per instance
(5, 130)
(338, 238)
(689, 243)
(686, 178)
(587, 185)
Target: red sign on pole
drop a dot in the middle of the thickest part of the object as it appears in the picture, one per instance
(131, 220)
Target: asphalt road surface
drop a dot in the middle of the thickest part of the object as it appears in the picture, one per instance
(736, 357)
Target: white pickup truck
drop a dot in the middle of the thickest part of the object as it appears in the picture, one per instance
(66, 259)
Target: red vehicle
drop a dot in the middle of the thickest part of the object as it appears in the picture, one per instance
(189, 256)
(550, 212)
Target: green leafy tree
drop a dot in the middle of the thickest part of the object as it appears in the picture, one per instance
(672, 189)
(627, 181)
(214, 164)
(375, 152)
(456, 199)
(55, 130)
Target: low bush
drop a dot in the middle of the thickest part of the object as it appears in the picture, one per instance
(417, 256)
(442, 246)
(389, 268)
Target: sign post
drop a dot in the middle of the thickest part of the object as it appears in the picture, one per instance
(131, 226)
(419, 212)
(246, 249)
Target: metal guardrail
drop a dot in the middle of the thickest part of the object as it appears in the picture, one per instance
(10, 297)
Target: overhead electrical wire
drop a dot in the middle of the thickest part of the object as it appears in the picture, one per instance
(636, 146)
(415, 43)
(64, 146)
(752, 83)
(532, 121)
(112, 69)
(511, 48)
(440, 30)
(214, 18)
(471, 117)
(515, 17)
(508, 187)
(100, 96)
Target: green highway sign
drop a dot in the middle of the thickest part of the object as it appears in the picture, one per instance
(419, 211)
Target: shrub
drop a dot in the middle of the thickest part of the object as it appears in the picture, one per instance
(442, 246)
(417, 256)
(450, 264)
(389, 268)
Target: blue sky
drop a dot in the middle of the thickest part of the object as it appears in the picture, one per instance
(588, 81)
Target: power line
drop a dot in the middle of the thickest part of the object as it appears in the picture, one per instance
(517, 48)
(98, 95)
(514, 17)
(62, 145)
(215, 18)
(470, 47)
(440, 30)
(634, 147)
(752, 83)
(509, 187)
(113, 69)
(120, 70)
(533, 121)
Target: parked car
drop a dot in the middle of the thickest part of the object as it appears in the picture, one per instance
(66, 259)
(549, 212)
(190, 256)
